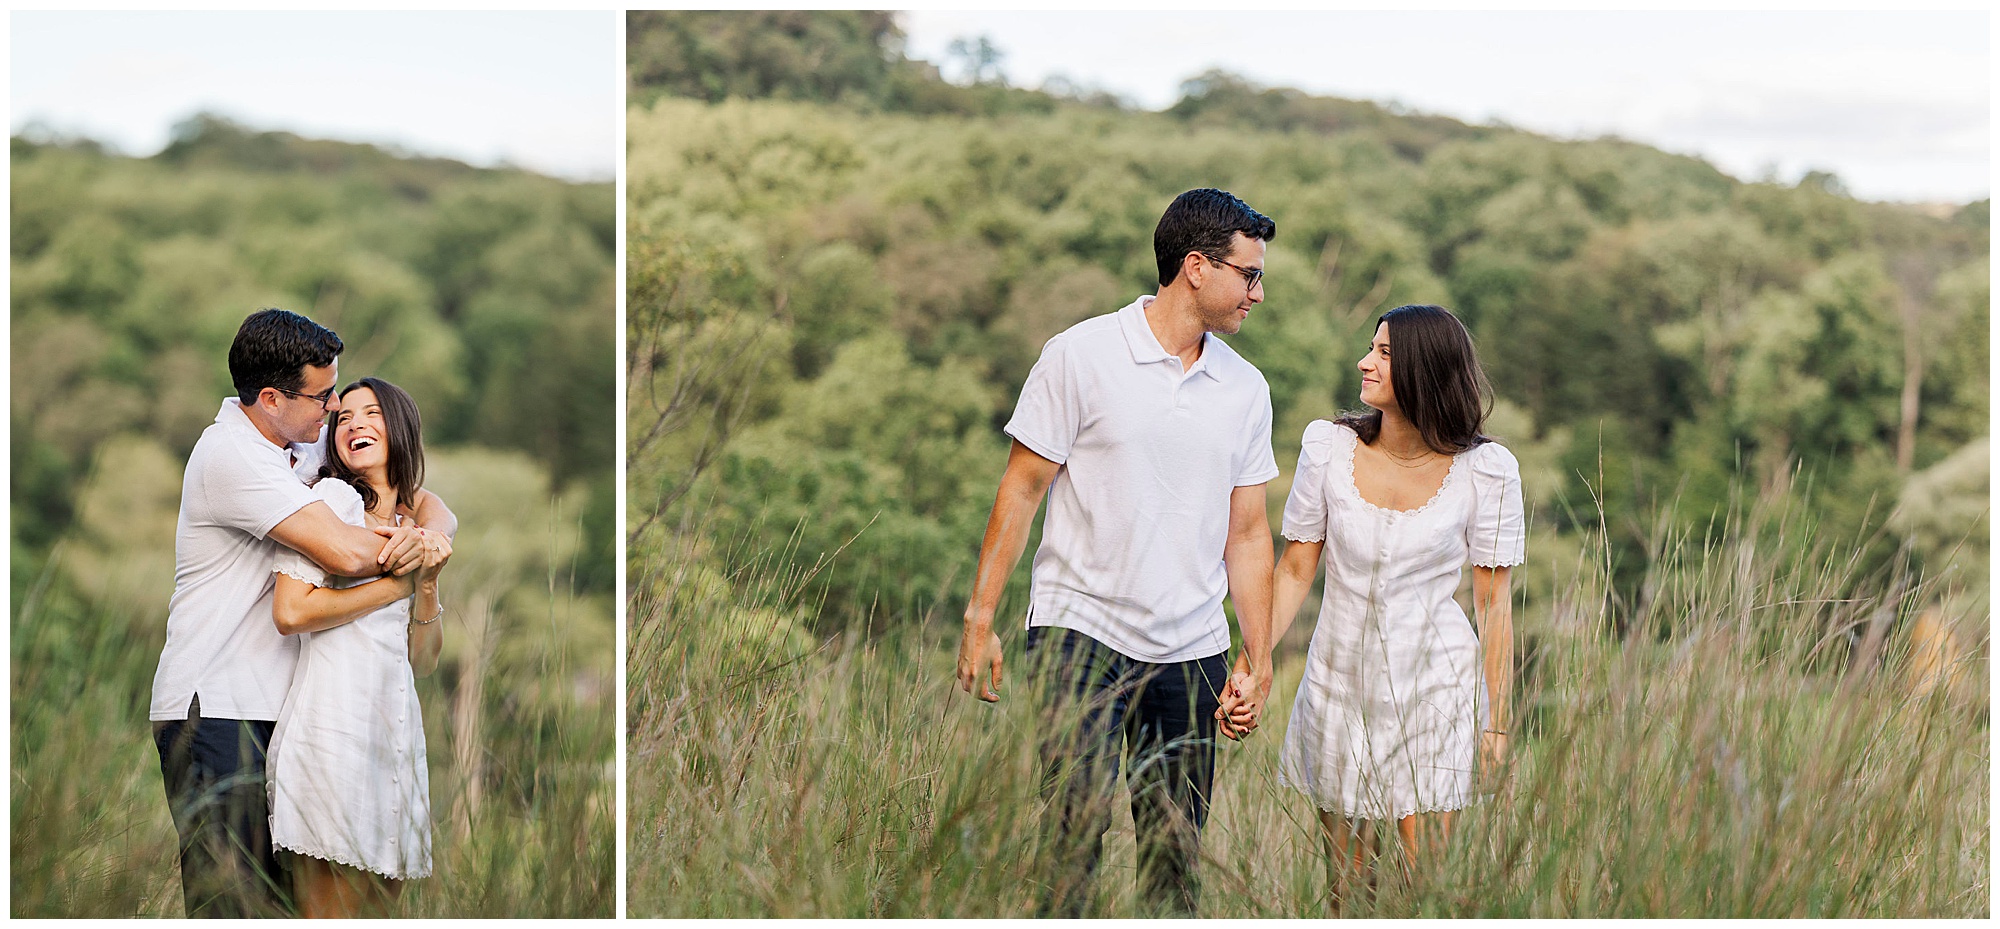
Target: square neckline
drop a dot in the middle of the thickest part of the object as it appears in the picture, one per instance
(1354, 489)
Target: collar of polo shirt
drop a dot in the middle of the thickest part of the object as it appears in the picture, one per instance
(1146, 348)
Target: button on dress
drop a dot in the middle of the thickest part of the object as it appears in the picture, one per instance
(1388, 716)
(348, 777)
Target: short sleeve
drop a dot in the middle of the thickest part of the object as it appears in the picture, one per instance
(1497, 536)
(346, 504)
(1049, 412)
(1305, 507)
(251, 490)
(1257, 464)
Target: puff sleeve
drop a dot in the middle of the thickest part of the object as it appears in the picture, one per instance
(1305, 507)
(1497, 534)
(346, 504)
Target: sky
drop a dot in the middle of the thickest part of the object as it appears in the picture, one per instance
(542, 91)
(1896, 104)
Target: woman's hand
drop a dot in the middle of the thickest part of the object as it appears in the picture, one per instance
(1493, 754)
(436, 552)
(1242, 700)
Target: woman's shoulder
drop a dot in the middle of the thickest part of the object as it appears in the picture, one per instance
(1492, 459)
(345, 500)
(1321, 437)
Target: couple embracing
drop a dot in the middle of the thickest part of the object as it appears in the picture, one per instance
(1150, 438)
(306, 566)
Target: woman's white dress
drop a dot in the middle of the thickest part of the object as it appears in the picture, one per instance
(348, 777)
(1388, 716)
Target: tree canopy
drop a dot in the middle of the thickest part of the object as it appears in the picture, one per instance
(858, 289)
(487, 293)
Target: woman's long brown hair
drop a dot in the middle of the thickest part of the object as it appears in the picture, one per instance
(1436, 377)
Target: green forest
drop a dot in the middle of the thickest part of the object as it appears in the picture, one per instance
(489, 294)
(1751, 416)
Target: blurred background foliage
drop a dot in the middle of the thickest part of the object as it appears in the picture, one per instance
(1751, 420)
(842, 267)
(489, 295)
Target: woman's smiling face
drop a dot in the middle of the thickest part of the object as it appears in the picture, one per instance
(360, 437)
(1374, 367)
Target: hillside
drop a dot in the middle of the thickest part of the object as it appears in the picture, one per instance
(487, 292)
(867, 283)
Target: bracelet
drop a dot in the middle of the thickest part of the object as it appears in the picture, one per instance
(426, 622)
(1494, 731)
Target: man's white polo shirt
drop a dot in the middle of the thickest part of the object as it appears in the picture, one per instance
(221, 641)
(1131, 550)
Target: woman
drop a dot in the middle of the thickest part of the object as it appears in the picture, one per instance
(350, 793)
(1402, 694)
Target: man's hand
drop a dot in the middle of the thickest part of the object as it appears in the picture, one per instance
(979, 655)
(403, 551)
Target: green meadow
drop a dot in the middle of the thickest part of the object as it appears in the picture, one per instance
(1752, 632)
(129, 279)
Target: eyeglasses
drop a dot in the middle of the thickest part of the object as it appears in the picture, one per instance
(322, 398)
(1250, 275)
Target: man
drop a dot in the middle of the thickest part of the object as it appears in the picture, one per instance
(1152, 440)
(225, 668)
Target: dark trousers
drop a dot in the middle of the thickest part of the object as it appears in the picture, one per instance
(214, 772)
(1159, 721)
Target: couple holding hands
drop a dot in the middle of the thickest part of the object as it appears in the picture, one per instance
(1151, 440)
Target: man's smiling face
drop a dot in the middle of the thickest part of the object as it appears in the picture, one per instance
(299, 418)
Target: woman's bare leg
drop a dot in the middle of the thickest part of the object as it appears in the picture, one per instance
(327, 890)
(1425, 831)
(323, 892)
(1350, 856)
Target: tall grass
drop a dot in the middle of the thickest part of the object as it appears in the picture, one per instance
(522, 794)
(1762, 756)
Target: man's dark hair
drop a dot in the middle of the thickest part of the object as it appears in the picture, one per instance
(272, 348)
(404, 431)
(1206, 221)
(1435, 375)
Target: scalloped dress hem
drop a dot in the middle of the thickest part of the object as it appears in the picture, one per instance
(1444, 806)
(340, 859)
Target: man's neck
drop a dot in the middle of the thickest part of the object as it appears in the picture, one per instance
(1172, 319)
(265, 427)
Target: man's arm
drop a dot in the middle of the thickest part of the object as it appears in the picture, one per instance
(350, 551)
(1248, 560)
(1022, 488)
(301, 607)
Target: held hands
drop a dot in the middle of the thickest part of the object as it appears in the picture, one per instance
(979, 657)
(1243, 699)
(410, 548)
(403, 551)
